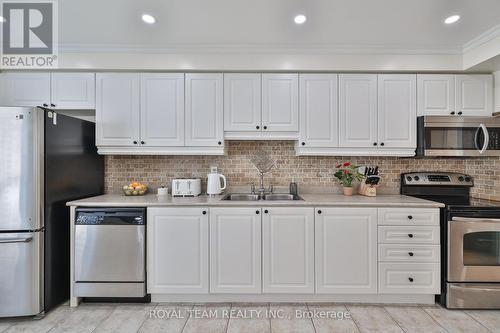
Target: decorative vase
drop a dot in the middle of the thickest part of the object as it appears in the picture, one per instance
(347, 190)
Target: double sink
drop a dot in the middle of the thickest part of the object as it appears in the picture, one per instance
(256, 197)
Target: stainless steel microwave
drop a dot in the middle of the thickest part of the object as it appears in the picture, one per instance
(458, 136)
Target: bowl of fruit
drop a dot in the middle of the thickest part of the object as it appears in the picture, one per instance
(135, 188)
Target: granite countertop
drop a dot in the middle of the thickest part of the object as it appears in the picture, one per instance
(310, 200)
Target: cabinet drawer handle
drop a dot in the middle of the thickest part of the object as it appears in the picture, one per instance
(257, 212)
(410, 279)
(265, 127)
(257, 127)
(135, 142)
(375, 143)
(452, 113)
(319, 211)
(44, 104)
(410, 217)
(142, 142)
(410, 235)
(303, 143)
(204, 212)
(266, 211)
(219, 143)
(382, 144)
(459, 113)
(410, 254)
(52, 105)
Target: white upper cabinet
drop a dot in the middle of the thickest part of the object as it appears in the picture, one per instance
(162, 109)
(242, 102)
(177, 250)
(235, 250)
(460, 95)
(73, 91)
(117, 109)
(280, 102)
(436, 94)
(397, 111)
(288, 250)
(474, 95)
(25, 89)
(319, 124)
(204, 110)
(358, 110)
(346, 250)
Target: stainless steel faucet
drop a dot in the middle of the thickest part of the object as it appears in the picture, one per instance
(262, 190)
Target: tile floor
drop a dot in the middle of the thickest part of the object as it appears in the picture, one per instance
(289, 318)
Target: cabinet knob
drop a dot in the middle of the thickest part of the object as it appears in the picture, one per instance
(410, 254)
(266, 211)
(452, 113)
(319, 211)
(410, 235)
(257, 212)
(142, 142)
(44, 104)
(52, 105)
(410, 217)
(410, 279)
(459, 113)
(374, 143)
(382, 144)
(257, 127)
(219, 143)
(204, 212)
(303, 143)
(135, 142)
(265, 127)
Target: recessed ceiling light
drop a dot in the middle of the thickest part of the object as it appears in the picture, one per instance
(149, 19)
(452, 19)
(299, 19)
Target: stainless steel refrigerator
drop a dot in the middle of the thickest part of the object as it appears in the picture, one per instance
(46, 159)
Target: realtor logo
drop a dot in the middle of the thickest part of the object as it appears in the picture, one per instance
(29, 33)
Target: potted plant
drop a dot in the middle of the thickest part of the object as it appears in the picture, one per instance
(347, 173)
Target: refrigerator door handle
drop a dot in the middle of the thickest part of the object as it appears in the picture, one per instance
(16, 240)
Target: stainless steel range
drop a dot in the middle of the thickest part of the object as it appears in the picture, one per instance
(470, 238)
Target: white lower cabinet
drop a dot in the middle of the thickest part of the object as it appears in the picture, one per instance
(235, 250)
(346, 250)
(177, 260)
(288, 250)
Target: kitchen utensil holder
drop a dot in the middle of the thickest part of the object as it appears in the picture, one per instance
(368, 190)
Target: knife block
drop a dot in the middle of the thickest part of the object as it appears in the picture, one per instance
(368, 190)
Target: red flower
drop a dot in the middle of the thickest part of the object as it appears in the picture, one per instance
(346, 172)
(346, 164)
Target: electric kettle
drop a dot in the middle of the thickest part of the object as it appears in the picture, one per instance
(214, 183)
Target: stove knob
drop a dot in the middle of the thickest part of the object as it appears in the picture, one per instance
(468, 179)
(408, 178)
(461, 178)
(417, 178)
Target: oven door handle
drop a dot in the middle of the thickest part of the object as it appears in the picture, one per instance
(486, 139)
(473, 219)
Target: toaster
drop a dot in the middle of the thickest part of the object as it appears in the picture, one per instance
(186, 187)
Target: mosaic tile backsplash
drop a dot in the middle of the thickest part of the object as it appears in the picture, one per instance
(305, 170)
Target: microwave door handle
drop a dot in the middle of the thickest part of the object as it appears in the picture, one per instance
(486, 138)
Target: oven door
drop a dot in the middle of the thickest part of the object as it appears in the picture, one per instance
(473, 250)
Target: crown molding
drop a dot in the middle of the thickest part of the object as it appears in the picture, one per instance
(260, 49)
(483, 38)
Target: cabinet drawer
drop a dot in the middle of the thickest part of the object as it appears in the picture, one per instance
(408, 253)
(409, 278)
(405, 216)
(408, 235)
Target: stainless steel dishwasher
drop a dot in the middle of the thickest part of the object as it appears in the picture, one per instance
(110, 249)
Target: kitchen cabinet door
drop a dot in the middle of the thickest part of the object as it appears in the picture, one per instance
(204, 110)
(474, 95)
(73, 91)
(177, 256)
(117, 109)
(162, 109)
(235, 250)
(435, 94)
(288, 250)
(280, 102)
(25, 89)
(318, 110)
(242, 102)
(358, 110)
(346, 250)
(397, 111)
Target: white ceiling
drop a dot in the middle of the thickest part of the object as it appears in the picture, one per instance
(400, 24)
